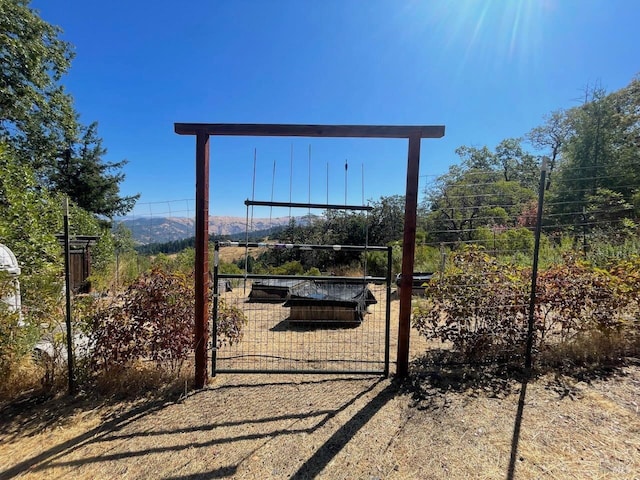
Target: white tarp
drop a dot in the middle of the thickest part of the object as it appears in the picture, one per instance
(9, 264)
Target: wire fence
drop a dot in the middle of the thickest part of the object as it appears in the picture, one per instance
(161, 222)
(477, 228)
(304, 323)
(593, 220)
(480, 240)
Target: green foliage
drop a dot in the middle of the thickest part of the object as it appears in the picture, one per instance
(29, 218)
(517, 240)
(37, 115)
(376, 264)
(229, 269)
(90, 182)
(551, 137)
(289, 268)
(465, 199)
(38, 120)
(598, 172)
(602, 252)
(122, 239)
(250, 262)
(230, 322)
(12, 335)
(386, 220)
(427, 259)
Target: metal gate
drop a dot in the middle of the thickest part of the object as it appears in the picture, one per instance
(303, 324)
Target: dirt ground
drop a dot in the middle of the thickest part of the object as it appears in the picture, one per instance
(261, 427)
(442, 423)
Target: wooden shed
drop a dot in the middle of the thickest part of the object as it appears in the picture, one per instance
(80, 261)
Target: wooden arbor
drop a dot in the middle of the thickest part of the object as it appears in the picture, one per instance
(202, 132)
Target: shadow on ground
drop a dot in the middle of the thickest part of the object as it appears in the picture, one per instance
(439, 373)
(155, 432)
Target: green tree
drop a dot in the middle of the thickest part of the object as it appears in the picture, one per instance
(386, 220)
(517, 165)
(601, 153)
(551, 137)
(464, 199)
(38, 119)
(87, 179)
(29, 217)
(476, 158)
(37, 114)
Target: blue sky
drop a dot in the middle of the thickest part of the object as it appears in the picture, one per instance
(486, 69)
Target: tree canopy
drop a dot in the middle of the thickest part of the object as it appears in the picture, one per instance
(38, 120)
(594, 157)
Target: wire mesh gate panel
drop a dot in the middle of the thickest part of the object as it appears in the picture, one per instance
(304, 324)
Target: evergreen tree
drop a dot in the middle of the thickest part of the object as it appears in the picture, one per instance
(87, 179)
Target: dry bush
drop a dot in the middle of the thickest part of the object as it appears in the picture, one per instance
(582, 314)
(153, 319)
(478, 306)
(591, 347)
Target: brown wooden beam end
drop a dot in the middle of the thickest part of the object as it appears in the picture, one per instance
(202, 259)
(293, 130)
(408, 255)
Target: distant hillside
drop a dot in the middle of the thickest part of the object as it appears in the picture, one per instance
(146, 230)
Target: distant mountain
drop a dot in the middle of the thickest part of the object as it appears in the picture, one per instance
(146, 230)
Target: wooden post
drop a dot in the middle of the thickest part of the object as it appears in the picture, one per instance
(202, 258)
(408, 255)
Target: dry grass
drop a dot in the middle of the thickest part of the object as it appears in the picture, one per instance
(448, 423)
(141, 379)
(21, 376)
(233, 254)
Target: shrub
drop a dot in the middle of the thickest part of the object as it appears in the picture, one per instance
(230, 269)
(575, 298)
(153, 319)
(230, 322)
(289, 268)
(481, 307)
(376, 264)
(427, 259)
(478, 306)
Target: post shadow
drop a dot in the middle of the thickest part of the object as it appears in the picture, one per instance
(515, 439)
(319, 460)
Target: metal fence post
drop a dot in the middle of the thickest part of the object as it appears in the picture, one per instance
(67, 285)
(534, 270)
(214, 319)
